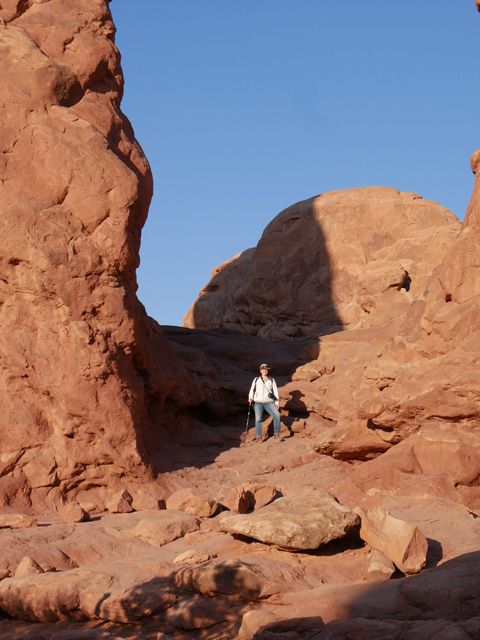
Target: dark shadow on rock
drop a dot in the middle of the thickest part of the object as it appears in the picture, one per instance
(304, 628)
(447, 595)
(210, 600)
(450, 591)
(280, 290)
(296, 410)
(269, 304)
(434, 553)
(225, 362)
(296, 405)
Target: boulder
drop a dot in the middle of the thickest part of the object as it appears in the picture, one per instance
(304, 521)
(28, 566)
(121, 502)
(192, 556)
(115, 593)
(144, 502)
(250, 496)
(16, 521)
(379, 567)
(248, 578)
(350, 442)
(192, 502)
(237, 500)
(90, 507)
(162, 527)
(259, 495)
(226, 577)
(254, 621)
(400, 541)
(73, 512)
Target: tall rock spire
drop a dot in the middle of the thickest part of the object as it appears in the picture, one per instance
(83, 371)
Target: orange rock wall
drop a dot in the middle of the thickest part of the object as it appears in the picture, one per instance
(459, 273)
(79, 382)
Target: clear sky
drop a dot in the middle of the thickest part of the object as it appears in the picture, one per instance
(244, 107)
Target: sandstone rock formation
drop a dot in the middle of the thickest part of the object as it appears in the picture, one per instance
(192, 502)
(73, 512)
(250, 496)
(80, 387)
(329, 262)
(379, 567)
(17, 521)
(303, 521)
(401, 542)
(393, 402)
(379, 392)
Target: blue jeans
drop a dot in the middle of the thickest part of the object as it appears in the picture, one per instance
(270, 408)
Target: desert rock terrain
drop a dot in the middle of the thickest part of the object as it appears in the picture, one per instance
(134, 501)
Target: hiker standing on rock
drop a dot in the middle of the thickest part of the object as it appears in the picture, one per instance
(264, 397)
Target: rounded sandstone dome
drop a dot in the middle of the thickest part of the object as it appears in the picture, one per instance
(328, 263)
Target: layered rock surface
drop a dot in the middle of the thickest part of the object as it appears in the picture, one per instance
(131, 575)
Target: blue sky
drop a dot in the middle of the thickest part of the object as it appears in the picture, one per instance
(244, 107)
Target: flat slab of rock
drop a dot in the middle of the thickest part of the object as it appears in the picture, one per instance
(16, 521)
(161, 527)
(305, 521)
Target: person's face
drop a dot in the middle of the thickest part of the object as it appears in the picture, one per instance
(264, 371)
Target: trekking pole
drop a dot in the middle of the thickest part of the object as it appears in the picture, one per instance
(246, 426)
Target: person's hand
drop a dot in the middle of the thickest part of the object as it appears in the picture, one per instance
(250, 401)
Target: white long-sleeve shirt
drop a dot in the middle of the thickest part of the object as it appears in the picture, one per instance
(259, 390)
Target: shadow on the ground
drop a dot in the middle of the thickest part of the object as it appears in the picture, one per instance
(225, 362)
(280, 290)
(211, 604)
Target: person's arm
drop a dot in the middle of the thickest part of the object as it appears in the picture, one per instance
(277, 395)
(251, 393)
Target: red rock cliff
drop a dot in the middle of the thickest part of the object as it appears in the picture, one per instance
(80, 386)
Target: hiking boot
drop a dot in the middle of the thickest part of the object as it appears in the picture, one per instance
(278, 437)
